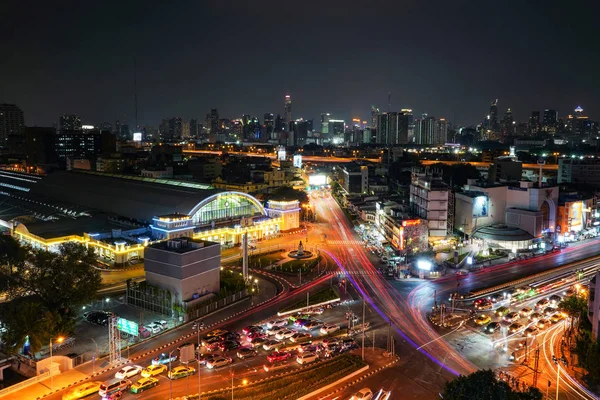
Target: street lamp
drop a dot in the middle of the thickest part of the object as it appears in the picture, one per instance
(170, 378)
(58, 340)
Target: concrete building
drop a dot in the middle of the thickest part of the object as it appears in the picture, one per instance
(429, 201)
(186, 267)
(12, 122)
(355, 178)
(584, 171)
(574, 214)
(403, 232)
(505, 168)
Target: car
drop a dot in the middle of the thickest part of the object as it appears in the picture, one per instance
(516, 327)
(548, 311)
(251, 328)
(258, 342)
(285, 334)
(299, 337)
(207, 341)
(83, 390)
(272, 331)
(492, 327)
(229, 345)
(153, 328)
(143, 384)
(246, 352)
(557, 318)
(164, 358)
(497, 297)
(327, 342)
(181, 372)
(306, 358)
(309, 348)
(312, 325)
(113, 386)
(329, 328)
(272, 344)
(278, 356)
(229, 336)
(219, 362)
(162, 324)
(526, 312)
(362, 394)
(214, 346)
(542, 303)
(255, 335)
(483, 319)
(280, 323)
(153, 370)
(555, 299)
(501, 311)
(205, 358)
(542, 324)
(128, 371)
(531, 331)
(301, 322)
(512, 316)
(535, 316)
(483, 304)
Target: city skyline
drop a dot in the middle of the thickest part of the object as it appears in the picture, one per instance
(465, 58)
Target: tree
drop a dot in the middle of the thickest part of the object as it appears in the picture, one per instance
(25, 320)
(575, 306)
(483, 385)
(12, 259)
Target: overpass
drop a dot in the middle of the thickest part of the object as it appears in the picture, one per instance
(479, 164)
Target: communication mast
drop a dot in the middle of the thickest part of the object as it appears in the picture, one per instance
(114, 341)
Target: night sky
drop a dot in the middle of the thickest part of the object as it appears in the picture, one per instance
(446, 58)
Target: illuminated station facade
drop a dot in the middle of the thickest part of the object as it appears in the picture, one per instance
(119, 215)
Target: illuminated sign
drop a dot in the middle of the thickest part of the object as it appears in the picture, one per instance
(127, 326)
(317, 180)
(297, 161)
(137, 137)
(281, 154)
(87, 127)
(480, 206)
(575, 215)
(411, 222)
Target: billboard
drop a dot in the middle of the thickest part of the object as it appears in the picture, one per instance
(317, 180)
(297, 160)
(575, 215)
(137, 137)
(480, 206)
(127, 326)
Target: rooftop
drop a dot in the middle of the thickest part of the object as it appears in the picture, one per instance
(182, 245)
(502, 232)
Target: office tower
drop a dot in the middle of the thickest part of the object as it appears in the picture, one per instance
(76, 144)
(374, 114)
(490, 124)
(381, 128)
(507, 124)
(337, 127)
(39, 145)
(194, 131)
(325, 117)
(125, 134)
(185, 130)
(534, 123)
(578, 123)
(117, 127)
(269, 127)
(251, 130)
(12, 122)
(441, 132)
(171, 129)
(279, 124)
(287, 104)
(425, 129)
(300, 130)
(214, 121)
(69, 122)
(550, 121)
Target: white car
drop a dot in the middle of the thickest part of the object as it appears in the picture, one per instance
(272, 331)
(128, 371)
(277, 323)
(219, 362)
(329, 328)
(162, 324)
(285, 334)
(271, 344)
(153, 328)
(306, 358)
(362, 394)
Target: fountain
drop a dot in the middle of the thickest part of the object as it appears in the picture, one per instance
(300, 253)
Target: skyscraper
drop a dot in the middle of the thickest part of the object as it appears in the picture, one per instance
(325, 117)
(279, 125)
(269, 127)
(194, 131)
(490, 123)
(425, 130)
(374, 114)
(214, 121)
(507, 124)
(550, 121)
(12, 122)
(287, 104)
(534, 123)
(392, 127)
(441, 132)
(69, 122)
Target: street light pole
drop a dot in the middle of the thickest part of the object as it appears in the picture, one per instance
(59, 340)
(95, 356)
(170, 378)
(557, 362)
(199, 386)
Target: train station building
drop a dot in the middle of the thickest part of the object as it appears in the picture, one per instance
(119, 215)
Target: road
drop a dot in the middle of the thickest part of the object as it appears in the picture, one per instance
(405, 303)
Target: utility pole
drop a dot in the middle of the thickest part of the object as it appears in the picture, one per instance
(307, 299)
(536, 365)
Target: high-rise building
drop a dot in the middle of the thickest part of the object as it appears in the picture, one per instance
(300, 129)
(550, 121)
(194, 129)
(441, 132)
(12, 122)
(40, 145)
(69, 122)
(214, 121)
(125, 133)
(185, 129)
(337, 127)
(269, 127)
(76, 144)
(578, 123)
(287, 104)
(279, 125)
(325, 117)
(392, 128)
(171, 129)
(251, 128)
(374, 114)
(534, 123)
(425, 128)
(507, 124)
(406, 126)
(490, 123)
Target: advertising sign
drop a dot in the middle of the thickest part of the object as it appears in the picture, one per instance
(575, 215)
(317, 180)
(480, 206)
(127, 326)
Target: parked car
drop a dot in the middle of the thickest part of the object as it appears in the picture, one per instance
(181, 372)
(219, 362)
(162, 324)
(246, 352)
(144, 384)
(128, 371)
(164, 359)
(153, 370)
(306, 358)
(278, 356)
(153, 328)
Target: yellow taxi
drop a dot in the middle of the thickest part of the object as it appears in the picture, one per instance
(483, 319)
(153, 370)
(180, 372)
(83, 390)
(144, 384)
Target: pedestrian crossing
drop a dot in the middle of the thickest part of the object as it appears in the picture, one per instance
(345, 242)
